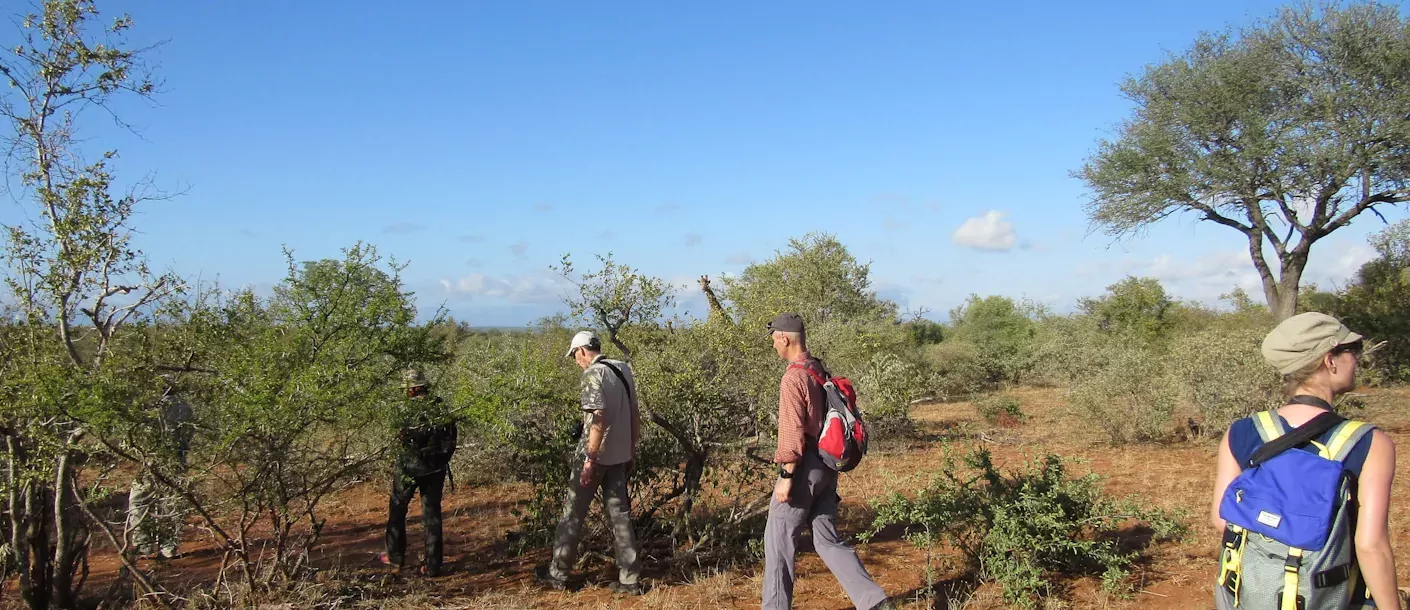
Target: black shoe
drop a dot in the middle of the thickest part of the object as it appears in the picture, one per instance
(626, 589)
(542, 575)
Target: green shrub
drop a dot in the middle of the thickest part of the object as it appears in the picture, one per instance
(888, 387)
(1223, 375)
(1025, 528)
(1067, 348)
(1131, 399)
(956, 369)
(1000, 410)
(1002, 330)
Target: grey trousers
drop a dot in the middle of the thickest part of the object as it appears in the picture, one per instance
(813, 500)
(616, 504)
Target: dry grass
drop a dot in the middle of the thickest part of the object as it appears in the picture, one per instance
(1176, 477)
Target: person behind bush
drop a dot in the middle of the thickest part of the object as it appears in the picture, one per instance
(606, 451)
(806, 491)
(427, 437)
(154, 511)
(1317, 357)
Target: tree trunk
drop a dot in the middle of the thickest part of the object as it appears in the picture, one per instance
(37, 570)
(68, 540)
(1280, 292)
(18, 499)
(1284, 305)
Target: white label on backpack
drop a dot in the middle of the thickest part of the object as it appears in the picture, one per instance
(1269, 519)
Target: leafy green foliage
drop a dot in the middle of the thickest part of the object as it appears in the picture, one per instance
(1222, 373)
(299, 394)
(1000, 410)
(1377, 304)
(76, 374)
(1308, 108)
(1133, 309)
(1131, 399)
(1001, 333)
(1022, 529)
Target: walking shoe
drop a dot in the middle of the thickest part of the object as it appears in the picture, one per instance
(546, 579)
(386, 560)
(626, 589)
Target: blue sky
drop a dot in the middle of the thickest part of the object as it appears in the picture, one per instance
(481, 141)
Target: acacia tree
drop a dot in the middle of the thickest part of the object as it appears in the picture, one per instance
(77, 283)
(1285, 131)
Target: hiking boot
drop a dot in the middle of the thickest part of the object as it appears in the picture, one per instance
(546, 579)
(626, 589)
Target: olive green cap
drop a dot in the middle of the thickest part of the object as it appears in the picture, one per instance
(1303, 339)
(415, 379)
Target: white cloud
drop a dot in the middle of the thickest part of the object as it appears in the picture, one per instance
(987, 232)
(739, 258)
(529, 288)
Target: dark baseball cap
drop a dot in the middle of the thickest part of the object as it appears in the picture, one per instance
(787, 322)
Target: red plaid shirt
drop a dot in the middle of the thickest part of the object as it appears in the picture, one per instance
(800, 412)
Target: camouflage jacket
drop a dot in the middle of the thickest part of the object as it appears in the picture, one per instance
(427, 440)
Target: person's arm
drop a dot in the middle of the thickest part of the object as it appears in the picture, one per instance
(1226, 470)
(1373, 551)
(792, 412)
(591, 398)
(594, 442)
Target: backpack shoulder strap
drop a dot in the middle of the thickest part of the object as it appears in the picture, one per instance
(811, 373)
(1314, 428)
(631, 394)
(1269, 425)
(1345, 438)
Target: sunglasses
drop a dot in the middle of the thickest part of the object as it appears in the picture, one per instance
(1354, 347)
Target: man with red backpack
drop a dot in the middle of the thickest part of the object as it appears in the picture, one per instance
(806, 491)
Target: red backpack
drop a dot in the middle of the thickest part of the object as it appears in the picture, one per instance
(843, 440)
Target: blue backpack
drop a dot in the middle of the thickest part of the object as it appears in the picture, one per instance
(1290, 516)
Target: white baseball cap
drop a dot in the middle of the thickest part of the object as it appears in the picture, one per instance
(586, 339)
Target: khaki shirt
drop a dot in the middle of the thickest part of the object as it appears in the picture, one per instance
(602, 391)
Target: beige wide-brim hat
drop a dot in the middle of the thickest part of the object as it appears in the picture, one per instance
(1303, 339)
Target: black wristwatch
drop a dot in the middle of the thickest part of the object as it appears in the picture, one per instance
(784, 474)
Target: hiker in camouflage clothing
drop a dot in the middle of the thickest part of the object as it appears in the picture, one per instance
(155, 512)
(428, 437)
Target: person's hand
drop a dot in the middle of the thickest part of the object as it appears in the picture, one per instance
(781, 490)
(589, 473)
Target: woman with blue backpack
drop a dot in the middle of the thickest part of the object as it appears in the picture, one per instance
(1302, 495)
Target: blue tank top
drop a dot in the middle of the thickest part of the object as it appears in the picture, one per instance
(1244, 440)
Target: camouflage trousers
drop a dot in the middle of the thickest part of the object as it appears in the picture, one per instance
(616, 504)
(155, 515)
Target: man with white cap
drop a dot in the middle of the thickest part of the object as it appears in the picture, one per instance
(611, 429)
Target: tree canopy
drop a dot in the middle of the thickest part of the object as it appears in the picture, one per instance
(1285, 131)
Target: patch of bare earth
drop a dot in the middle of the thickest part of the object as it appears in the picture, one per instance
(484, 574)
